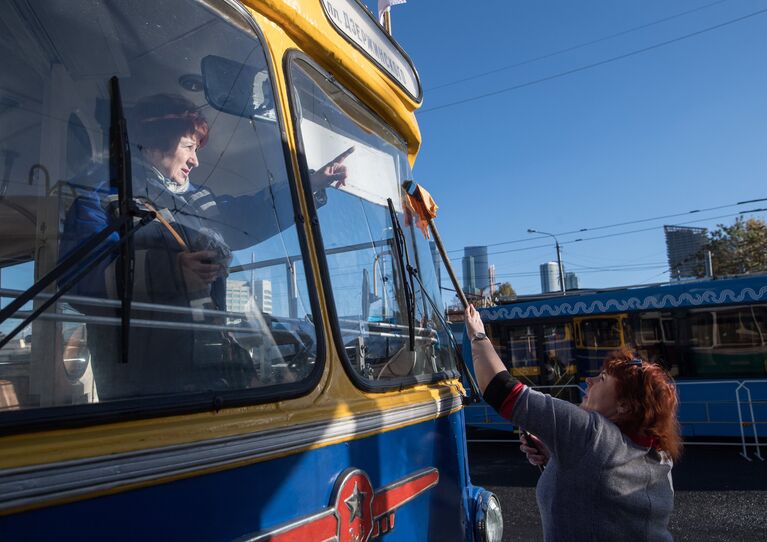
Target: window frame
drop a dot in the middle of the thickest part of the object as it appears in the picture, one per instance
(602, 319)
(86, 414)
(294, 105)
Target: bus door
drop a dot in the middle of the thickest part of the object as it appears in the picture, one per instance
(701, 334)
(668, 326)
(655, 339)
(523, 354)
(557, 360)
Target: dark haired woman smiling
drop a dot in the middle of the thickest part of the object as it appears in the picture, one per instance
(608, 474)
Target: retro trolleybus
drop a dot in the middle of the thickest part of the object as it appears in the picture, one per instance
(219, 319)
(709, 334)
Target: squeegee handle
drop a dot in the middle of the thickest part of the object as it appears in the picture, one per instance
(448, 266)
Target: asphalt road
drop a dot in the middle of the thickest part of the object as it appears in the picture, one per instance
(719, 496)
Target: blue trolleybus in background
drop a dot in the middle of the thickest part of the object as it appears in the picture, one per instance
(711, 336)
(322, 400)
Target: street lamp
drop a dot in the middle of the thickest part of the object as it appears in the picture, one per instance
(559, 258)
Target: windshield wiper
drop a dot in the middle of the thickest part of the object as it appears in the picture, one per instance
(475, 393)
(412, 274)
(462, 368)
(122, 181)
(400, 250)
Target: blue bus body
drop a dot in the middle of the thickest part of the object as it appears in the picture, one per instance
(244, 501)
(709, 334)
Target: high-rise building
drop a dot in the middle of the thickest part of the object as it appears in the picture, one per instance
(237, 295)
(571, 281)
(550, 277)
(475, 270)
(262, 292)
(437, 259)
(683, 244)
(491, 278)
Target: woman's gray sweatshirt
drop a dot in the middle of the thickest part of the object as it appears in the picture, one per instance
(598, 484)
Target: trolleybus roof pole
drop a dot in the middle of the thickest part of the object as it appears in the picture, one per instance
(427, 212)
(412, 189)
(387, 21)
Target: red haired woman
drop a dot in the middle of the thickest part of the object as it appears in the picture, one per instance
(608, 474)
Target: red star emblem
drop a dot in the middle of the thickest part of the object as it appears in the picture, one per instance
(356, 512)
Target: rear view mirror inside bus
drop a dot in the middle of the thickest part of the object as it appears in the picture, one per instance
(237, 88)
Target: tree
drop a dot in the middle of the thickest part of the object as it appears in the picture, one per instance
(505, 292)
(739, 248)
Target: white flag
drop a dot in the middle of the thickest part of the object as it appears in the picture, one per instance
(385, 5)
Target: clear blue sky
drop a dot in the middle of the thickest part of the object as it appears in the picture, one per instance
(674, 129)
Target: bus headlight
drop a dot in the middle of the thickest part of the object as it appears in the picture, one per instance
(488, 520)
(76, 363)
(76, 355)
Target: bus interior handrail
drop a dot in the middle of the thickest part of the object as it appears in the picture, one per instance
(355, 325)
(136, 305)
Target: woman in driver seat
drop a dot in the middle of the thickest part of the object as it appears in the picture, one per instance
(181, 257)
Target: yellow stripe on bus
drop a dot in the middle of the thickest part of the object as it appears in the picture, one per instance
(526, 371)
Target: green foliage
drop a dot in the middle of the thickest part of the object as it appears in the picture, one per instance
(505, 292)
(739, 248)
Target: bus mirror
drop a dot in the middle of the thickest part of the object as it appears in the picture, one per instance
(238, 89)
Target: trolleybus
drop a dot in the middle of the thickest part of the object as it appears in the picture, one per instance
(710, 335)
(321, 399)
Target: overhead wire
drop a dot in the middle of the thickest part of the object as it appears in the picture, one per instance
(627, 267)
(668, 268)
(625, 223)
(654, 227)
(523, 249)
(617, 266)
(593, 64)
(638, 221)
(573, 47)
(601, 260)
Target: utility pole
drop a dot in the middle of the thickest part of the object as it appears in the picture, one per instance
(559, 259)
(561, 269)
(709, 265)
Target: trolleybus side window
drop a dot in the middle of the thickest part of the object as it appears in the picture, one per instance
(669, 330)
(628, 332)
(218, 292)
(601, 332)
(649, 330)
(702, 329)
(558, 344)
(390, 320)
(741, 327)
(522, 351)
(497, 334)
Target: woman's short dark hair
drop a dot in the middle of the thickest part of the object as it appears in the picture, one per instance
(161, 120)
(649, 398)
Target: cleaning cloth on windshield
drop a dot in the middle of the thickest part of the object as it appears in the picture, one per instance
(425, 209)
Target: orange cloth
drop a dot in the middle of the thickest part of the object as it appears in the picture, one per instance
(424, 207)
(427, 207)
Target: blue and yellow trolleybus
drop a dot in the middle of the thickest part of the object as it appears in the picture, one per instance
(219, 318)
(710, 334)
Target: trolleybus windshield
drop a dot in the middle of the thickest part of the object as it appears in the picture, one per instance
(359, 236)
(226, 204)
